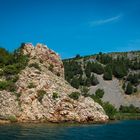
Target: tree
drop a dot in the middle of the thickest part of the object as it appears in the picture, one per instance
(88, 82)
(119, 70)
(81, 80)
(129, 89)
(129, 109)
(77, 56)
(94, 80)
(97, 68)
(107, 73)
(88, 70)
(133, 78)
(85, 91)
(99, 93)
(75, 83)
(109, 109)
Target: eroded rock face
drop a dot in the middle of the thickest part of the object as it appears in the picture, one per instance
(42, 54)
(44, 94)
(8, 105)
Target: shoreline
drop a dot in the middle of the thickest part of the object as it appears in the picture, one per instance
(3, 122)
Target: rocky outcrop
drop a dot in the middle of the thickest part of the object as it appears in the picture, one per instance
(8, 105)
(42, 54)
(43, 95)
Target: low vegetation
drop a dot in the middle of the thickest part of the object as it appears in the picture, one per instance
(97, 97)
(74, 95)
(31, 85)
(55, 95)
(129, 109)
(12, 118)
(99, 93)
(7, 85)
(80, 71)
(51, 68)
(35, 65)
(10, 65)
(40, 94)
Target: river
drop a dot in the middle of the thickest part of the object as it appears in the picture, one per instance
(119, 130)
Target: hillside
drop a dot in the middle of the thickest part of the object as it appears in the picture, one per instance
(115, 74)
(33, 89)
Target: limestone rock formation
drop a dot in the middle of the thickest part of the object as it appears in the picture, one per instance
(43, 94)
(42, 54)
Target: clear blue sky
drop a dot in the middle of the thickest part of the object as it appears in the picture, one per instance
(71, 27)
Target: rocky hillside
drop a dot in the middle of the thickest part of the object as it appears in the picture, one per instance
(38, 92)
(117, 75)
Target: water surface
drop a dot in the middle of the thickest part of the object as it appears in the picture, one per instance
(121, 130)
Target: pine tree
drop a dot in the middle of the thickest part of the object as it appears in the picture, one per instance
(107, 73)
(129, 89)
(94, 80)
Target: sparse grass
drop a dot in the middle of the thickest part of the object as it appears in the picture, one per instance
(40, 94)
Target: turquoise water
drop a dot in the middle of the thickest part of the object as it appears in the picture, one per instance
(121, 130)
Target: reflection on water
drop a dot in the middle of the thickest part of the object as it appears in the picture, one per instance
(112, 131)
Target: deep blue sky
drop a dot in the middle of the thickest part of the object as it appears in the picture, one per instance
(71, 27)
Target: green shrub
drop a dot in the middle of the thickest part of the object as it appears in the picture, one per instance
(40, 94)
(109, 109)
(133, 78)
(99, 93)
(107, 76)
(51, 68)
(3, 85)
(74, 95)
(75, 83)
(58, 74)
(96, 99)
(85, 91)
(10, 70)
(119, 70)
(15, 78)
(1, 73)
(123, 86)
(35, 65)
(55, 95)
(94, 81)
(11, 86)
(135, 89)
(129, 89)
(7, 85)
(97, 68)
(88, 70)
(129, 109)
(87, 82)
(31, 85)
(12, 119)
(11, 64)
(108, 73)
